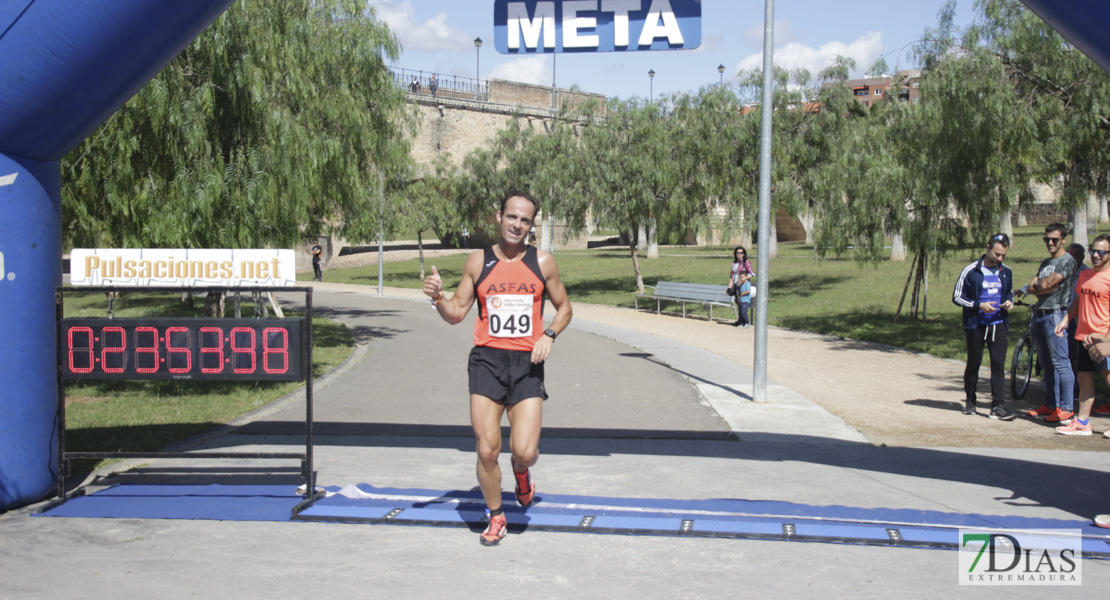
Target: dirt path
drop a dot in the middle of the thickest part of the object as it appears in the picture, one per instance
(894, 397)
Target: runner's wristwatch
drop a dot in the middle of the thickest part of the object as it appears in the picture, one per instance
(550, 333)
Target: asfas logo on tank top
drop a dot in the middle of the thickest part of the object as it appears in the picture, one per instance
(1089, 292)
(511, 287)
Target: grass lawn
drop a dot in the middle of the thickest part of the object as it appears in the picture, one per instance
(144, 416)
(831, 296)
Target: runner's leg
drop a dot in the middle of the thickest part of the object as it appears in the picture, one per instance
(525, 422)
(1086, 393)
(485, 418)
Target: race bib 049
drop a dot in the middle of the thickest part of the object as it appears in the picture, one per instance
(510, 315)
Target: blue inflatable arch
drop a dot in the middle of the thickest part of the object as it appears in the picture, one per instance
(65, 67)
(1081, 22)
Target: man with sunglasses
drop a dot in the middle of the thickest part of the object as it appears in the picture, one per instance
(985, 291)
(1092, 308)
(1052, 286)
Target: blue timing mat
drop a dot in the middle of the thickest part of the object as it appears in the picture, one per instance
(751, 519)
(757, 519)
(209, 502)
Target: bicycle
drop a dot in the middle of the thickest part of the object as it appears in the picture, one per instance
(1024, 361)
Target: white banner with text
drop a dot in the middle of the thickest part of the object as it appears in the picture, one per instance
(179, 267)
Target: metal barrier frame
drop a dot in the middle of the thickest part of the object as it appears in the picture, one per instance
(63, 466)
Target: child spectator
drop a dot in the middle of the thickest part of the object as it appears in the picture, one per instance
(744, 299)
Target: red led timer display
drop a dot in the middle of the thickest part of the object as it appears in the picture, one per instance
(224, 349)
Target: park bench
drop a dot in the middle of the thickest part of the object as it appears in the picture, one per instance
(695, 293)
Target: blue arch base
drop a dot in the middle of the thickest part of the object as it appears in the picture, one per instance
(30, 243)
(68, 65)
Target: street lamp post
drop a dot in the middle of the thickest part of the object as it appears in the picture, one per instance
(651, 83)
(477, 64)
(721, 70)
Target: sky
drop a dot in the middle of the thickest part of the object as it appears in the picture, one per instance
(438, 36)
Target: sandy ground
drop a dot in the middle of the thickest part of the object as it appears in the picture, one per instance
(894, 397)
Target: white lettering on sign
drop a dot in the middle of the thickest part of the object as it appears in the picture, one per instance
(182, 267)
(596, 25)
(572, 23)
(2, 274)
(8, 179)
(543, 21)
(652, 29)
(620, 10)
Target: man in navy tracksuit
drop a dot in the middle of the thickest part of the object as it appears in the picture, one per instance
(985, 291)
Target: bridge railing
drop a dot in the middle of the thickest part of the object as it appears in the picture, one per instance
(427, 83)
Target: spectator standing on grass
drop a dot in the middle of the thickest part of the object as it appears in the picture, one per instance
(744, 299)
(317, 272)
(985, 292)
(740, 262)
(1092, 309)
(1053, 287)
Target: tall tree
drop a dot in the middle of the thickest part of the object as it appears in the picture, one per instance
(711, 147)
(790, 154)
(429, 203)
(1068, 96)
(633, 172)
(270, 127)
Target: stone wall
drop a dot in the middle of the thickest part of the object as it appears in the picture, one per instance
(1045, 213)
(452, 130)
(513, 93)
(456, 126)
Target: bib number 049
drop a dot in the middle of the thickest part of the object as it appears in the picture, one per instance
(510, 316)
(510, 326)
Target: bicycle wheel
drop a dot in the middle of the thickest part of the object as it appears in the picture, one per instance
(1021, 367)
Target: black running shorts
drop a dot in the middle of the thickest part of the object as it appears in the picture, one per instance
(1085, 364)
(506, 376)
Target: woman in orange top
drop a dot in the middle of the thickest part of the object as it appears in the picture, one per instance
(1091, 306)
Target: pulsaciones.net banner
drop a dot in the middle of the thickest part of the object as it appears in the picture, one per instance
(178, 267)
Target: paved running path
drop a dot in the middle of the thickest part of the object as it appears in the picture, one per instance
(630, 415)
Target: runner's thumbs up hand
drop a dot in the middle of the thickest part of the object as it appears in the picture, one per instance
(433, 284)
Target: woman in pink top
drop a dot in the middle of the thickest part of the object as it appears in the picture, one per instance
(1091, 306)
(740, 264)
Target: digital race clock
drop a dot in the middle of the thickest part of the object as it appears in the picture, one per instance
(194, 349)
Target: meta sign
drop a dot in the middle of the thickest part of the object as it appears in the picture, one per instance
(540, 26)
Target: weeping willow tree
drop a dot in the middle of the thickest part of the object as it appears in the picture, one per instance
(430, 203)
(539, 157)
(269, 128)
(635, 174)
(712, 144)
(1068, 96)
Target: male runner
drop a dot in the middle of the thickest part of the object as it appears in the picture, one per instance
(1052, 287)
(509, 281)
